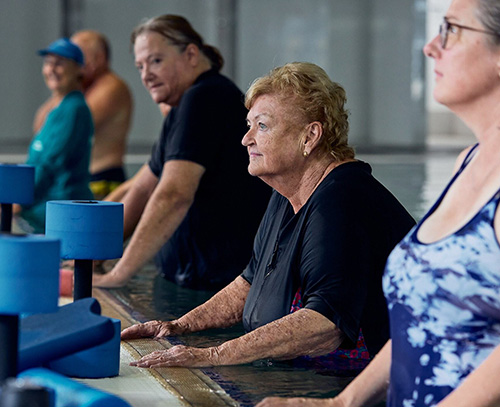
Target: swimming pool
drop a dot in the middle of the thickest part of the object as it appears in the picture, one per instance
(415, 179)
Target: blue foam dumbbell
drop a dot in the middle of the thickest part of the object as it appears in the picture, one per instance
(88, 230)
(95, 363)
(74, 327)
(29, 282)
(16, 186)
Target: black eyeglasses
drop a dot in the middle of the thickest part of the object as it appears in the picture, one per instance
(446, 27)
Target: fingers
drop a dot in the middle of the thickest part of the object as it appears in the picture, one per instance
(159, 358)
(290, 402)
(297, 402)
(147, 330)
(267, 402)
(272, 402)
(165, 329)
(181, 356)
(109, 280)
(153, 359)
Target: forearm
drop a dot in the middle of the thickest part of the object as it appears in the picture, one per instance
(371, 385)
(480, 388)
(134, 205)
(305, 332)
(134, 194)
(222, 310)
(119, 193)
(170, 198)
(161, 217)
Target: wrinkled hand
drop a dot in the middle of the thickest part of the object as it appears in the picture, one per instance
(113, 279)
(152, 329)
(297, 402)
(179, 355)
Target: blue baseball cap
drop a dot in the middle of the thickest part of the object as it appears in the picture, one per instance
(64, 48)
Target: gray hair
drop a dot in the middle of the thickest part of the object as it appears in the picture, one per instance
(488, 13)
(180, 33)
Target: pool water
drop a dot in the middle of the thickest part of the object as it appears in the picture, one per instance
(150, 296)
(416, 180)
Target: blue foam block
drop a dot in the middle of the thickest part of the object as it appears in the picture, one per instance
(95, 363)
(88, 230)
(17, 184)
(29, 274)
(74, 327)
(69, 393)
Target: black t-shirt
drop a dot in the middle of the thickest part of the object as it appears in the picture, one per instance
(213, 243)
(334, 249)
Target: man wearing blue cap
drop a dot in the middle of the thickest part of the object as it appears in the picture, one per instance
(63, 129)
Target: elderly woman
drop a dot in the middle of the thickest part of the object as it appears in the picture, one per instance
(442, 281)
(313, 284)
(63, 127)
(184, 206)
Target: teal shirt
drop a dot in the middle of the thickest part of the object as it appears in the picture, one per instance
(60, 153)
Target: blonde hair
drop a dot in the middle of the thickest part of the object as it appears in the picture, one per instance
(308, 88)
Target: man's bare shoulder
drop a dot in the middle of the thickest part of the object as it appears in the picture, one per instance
(110, 88)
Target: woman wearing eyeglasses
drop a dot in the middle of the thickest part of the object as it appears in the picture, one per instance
(442, 282)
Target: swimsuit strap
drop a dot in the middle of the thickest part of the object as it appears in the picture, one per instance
(464, 164)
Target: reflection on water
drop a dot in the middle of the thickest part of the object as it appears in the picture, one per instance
(416, 180)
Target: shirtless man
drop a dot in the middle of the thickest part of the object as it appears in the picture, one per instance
(110, 102)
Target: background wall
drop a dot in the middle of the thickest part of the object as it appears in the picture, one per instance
(372, 47)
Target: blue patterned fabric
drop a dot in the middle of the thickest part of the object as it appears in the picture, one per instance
(444, 307)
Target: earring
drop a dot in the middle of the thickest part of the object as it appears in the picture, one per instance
(305, 153)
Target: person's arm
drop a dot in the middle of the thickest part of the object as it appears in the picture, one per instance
(136, 199)
(164, 211)
(369, 388)
(305, 332)
(480, 388)
(119, 193)
(222, 310)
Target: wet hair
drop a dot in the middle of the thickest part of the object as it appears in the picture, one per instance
(180, 33)
(307, 87)
(488, 13)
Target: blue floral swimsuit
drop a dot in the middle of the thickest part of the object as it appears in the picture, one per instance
(444, 307)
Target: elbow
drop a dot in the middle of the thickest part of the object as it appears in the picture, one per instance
(182, 202)
(176, 201)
